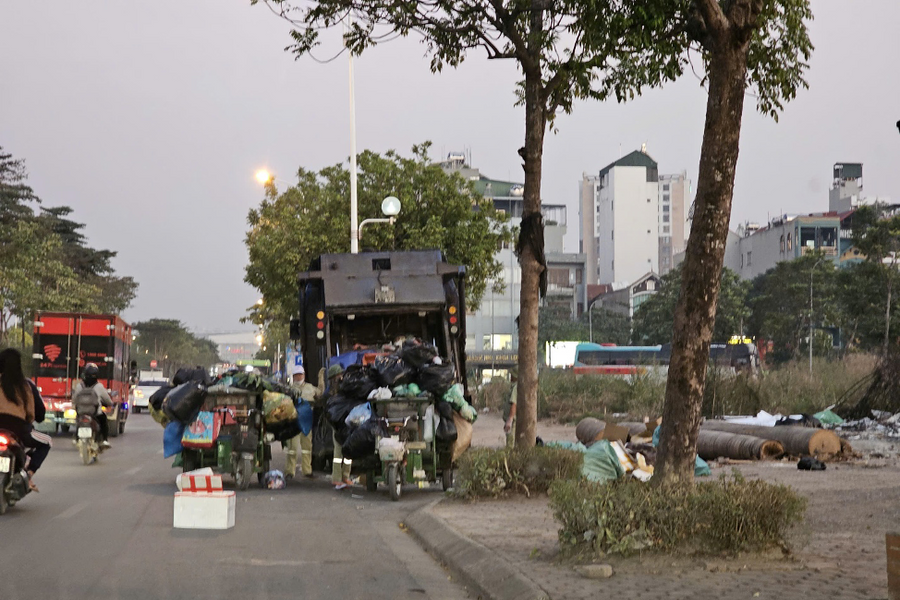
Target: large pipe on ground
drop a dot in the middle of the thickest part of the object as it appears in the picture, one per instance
(797, 441)
(714, 444)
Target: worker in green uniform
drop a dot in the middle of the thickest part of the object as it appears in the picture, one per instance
(300, 443)
(340, 466)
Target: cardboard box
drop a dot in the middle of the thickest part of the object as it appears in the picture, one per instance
(204, 510)
(615, 433)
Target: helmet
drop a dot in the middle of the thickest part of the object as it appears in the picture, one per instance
(335, 370)
(91, 370)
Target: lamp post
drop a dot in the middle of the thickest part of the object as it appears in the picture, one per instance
(591, 318)
(390, 206)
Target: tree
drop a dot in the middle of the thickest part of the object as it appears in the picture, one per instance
(761, 44)
(780, 308)
(565, 50)
(877, 235)
(14, 192)
(652, 322)
(289, 229)
(861, 290)
(557, 325)
(169, 343)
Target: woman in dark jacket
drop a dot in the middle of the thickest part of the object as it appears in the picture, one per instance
(20, 405)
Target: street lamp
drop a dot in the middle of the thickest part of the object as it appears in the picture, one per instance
(390, 206)
(591, 318)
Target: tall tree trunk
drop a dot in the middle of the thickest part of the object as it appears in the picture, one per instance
(696, 309)
(887, 310)
(530, 246)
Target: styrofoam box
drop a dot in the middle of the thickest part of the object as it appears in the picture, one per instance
(204, 510)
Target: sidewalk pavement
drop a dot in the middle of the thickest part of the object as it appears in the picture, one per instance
(507, 549)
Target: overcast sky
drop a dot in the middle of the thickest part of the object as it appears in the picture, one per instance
(150, 118)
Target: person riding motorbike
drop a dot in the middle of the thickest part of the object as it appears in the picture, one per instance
(89, 395)
(20, 406)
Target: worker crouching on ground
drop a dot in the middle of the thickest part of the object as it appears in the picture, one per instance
(301, 443)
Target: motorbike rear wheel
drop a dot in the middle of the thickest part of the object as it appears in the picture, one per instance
(4, 481)
(85, 451)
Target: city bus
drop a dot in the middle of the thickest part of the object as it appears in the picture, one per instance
(625, 361)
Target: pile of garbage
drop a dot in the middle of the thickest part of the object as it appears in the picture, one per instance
(178, 407)
(880, 425)
(415, 370)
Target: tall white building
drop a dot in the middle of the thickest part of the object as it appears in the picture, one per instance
(620, 220)
(674, 221)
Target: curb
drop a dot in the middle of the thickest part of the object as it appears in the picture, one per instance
(483, 571)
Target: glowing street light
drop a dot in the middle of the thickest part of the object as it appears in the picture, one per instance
(264, 177)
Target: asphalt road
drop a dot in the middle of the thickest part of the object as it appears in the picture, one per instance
(105, 531)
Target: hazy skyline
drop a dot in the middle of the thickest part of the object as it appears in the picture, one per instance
(150, 118)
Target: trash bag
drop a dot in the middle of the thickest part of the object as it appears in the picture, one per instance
(338, 408)
(172, 439)
(361, 441)
(413, 390)
(701, 468)
(305, 417)
(274, 480)
(437, 379)
(186, 374)
(357, 383)
(446, 430)
(284, 430)
(417, 355)
(381, 393)
(827, 417)
(803, 420)
(278, 408)
(601, 463)
(183, 403)
(455, 396)
(468, 413)
(156, 400)
(159, 416)
(392, 371)
(359, 415)
(808, 463)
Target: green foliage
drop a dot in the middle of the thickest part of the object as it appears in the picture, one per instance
(779, 302)
(290, 229)
(555, 324)
(564, 397)
(45, 263)
(653, 319)
(730, 515)
(491, 473)
(169, 343)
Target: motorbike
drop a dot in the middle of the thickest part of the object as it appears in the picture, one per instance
(87, 438)
(14, 481)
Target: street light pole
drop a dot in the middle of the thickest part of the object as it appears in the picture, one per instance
(354, 217)
(811, 271)
(591, 319)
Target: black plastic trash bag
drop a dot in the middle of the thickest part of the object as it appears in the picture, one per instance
(337, 408)
(417, 355)
(186, 374)
(803, 421)
(808, 463)
(183, 403)
(284, 430)
(393, 371)
(436, 379)
(361, 441)
(358, 383)
(156, 400)
(446, 430)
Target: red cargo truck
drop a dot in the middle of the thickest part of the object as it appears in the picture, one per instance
(63, 344)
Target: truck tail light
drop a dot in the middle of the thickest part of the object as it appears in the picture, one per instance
(4, 443)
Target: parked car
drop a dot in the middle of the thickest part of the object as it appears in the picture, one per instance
(141, 392)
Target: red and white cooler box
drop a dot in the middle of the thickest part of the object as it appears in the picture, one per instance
(201, 502)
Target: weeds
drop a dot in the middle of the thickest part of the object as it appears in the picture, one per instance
(730, 515)
(491, 473)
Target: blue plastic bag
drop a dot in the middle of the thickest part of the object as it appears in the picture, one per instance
(172, 439)
(305, 416)
(359, 415)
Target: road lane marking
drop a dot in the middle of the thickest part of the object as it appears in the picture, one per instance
(71, 511)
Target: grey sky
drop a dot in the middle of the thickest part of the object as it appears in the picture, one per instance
(149, 118)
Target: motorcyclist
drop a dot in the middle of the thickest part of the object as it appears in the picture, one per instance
(90, 403)
(21, 405)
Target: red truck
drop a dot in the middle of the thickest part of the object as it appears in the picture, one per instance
(63, 344)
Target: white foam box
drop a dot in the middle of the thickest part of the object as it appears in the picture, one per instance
(204, 510)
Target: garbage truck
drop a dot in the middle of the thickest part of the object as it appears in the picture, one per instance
(351, 305)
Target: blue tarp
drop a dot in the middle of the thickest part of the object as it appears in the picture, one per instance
(305, 416)
(172, 439)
